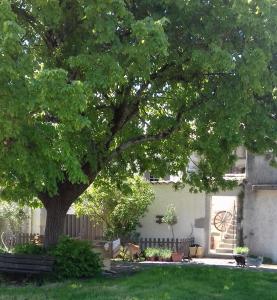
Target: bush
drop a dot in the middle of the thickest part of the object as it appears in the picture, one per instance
(152, 252)
(241, 250)
(2, 250)
(75, 259)
(165, 253)
(29, 248)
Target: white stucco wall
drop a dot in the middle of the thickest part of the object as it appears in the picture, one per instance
(260, 223)
(188, 206)
(38, 220)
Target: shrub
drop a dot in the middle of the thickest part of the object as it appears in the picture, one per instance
(2, 250)
(165, 253)
(75, 259)
(241, 250)
(124, 254)
(29, 248)
(152, 252)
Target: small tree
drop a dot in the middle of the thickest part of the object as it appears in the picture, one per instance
(170, 218)
(12, 216)
(119, 207)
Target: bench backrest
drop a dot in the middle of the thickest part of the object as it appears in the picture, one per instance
(26, 263)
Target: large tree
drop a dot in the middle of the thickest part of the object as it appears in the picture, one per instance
(124, 86)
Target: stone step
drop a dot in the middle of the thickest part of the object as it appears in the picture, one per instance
(230, 233)
(231, 226)
(229, 241)
(231, 230)
(226, 246)
(228, 236)
(224, 250)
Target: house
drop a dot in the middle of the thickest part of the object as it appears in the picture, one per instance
(218, 222)
(195, 213)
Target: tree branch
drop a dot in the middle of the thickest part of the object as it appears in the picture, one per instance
(149, 137)
(158, 136)
(31, 20)
(124, 112)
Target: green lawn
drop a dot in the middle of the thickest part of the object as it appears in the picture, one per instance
(159, 283)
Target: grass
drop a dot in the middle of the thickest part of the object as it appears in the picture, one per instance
(162, 283)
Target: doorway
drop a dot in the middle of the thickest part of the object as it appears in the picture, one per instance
(223, 225)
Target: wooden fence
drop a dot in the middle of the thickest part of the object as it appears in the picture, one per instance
(83, 228)
(174, 244)
(9, 240)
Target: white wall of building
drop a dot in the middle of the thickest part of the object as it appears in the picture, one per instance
(189, 207)
(37, 221)
(260, 223)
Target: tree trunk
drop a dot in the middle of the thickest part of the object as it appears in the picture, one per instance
(55, 220)
(58, 205)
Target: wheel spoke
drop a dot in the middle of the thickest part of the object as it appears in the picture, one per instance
(222, 220)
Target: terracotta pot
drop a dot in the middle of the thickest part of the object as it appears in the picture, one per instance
(152, 258)
(176, 257)
(196, 251)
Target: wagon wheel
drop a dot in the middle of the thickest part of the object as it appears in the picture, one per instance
(222, 220)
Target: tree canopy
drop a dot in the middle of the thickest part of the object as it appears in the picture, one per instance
(124, 86)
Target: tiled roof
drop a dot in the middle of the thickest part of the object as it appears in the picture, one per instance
(236, 177)
(268, 187)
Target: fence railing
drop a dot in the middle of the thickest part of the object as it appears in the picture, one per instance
(179, 245)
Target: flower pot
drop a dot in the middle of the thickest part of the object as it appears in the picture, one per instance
(196, 252)
(165, 259)
(176, 257)
(160, 258)
(152, 258)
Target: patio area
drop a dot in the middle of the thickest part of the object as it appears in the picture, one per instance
(120, 268)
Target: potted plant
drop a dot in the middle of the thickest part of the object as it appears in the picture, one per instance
(196, 250)
(170, 219)
(151, 254)
(165, 254)
(177, 256)
(240, 254)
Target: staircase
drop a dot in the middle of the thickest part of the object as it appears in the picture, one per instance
(228, 241)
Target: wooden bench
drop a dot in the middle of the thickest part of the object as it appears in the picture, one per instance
(26, 264)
